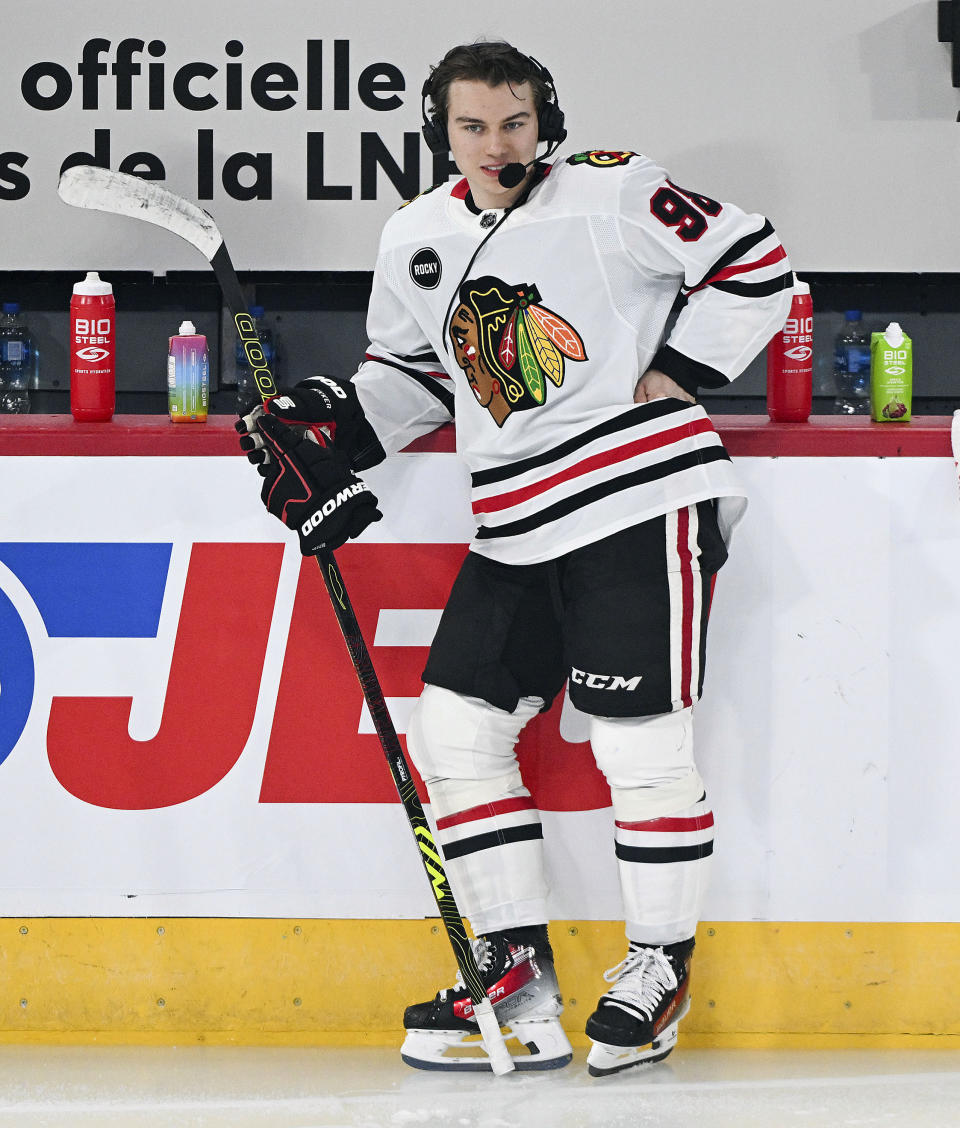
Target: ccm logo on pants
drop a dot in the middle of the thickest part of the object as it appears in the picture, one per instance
(603, 681)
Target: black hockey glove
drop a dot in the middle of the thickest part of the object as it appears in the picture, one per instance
(331, 409)
(311, 488)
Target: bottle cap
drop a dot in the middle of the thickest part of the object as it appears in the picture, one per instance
(11, 307)
(187, 329)
(800, 287)
(93, 286)
(256, 311)
(852, 314)
(894, 334)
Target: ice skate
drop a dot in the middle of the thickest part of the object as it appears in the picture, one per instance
(635, 1023)
(521, 984)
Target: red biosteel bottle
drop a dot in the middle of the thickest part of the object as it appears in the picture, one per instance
(92, 350)
(790, 362)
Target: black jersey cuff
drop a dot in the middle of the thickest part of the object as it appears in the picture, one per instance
(689, 374)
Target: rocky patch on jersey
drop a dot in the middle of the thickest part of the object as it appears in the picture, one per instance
(601, 158)
(509, 345)
(425, 268)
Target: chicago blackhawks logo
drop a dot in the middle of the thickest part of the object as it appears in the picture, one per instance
(509, 345)
(601, 158)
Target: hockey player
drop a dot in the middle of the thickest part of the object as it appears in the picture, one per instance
(531, 300)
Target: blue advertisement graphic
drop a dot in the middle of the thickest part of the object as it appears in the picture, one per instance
(97, 590)
(16, 676)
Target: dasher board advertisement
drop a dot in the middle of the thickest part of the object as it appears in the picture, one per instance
(182, 733)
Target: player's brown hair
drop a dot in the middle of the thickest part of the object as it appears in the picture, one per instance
(494, 63)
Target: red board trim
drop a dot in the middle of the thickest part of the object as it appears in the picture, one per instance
(825, 436)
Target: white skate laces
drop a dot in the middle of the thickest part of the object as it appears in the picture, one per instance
(483, 957)
(642, 978)
(635, 1022)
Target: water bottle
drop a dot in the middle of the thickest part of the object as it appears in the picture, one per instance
(790, 362)
(16, 360)
(92, 350)
(247, 391)
(188, 375)
(851, 366)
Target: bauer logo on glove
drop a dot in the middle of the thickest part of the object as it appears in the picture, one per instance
(312, 489)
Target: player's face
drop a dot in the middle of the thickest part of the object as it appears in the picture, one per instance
(489, 127)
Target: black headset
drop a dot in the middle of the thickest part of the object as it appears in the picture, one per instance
(549, 116)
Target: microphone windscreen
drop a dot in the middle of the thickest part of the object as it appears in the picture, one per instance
(511, 175)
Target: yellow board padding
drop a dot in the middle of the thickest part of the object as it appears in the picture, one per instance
(317, 982)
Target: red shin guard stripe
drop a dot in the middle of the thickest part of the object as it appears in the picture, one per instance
(671, 825)
(486, 811)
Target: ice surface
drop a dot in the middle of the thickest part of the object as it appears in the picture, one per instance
(220, 1087)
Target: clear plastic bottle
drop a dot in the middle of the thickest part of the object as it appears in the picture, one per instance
(188, 375)
(851, 366)
(16, 360)
(247, 392)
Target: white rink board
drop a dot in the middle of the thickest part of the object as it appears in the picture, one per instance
(827, 736)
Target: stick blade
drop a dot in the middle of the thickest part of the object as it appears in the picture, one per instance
(101, 189)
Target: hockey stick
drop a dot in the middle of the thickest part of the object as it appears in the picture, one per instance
(99, 189)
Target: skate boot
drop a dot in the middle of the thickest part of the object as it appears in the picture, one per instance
(635, 1023)
(517, 970)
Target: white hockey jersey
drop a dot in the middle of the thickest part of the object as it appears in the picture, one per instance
(533, 325)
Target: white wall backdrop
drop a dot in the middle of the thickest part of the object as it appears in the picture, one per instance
(836, 119)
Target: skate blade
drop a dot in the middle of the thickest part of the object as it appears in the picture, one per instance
(534, 1044)
(604, 1059)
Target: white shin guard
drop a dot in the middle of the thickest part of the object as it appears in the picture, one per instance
(664, 827)
(487, 825)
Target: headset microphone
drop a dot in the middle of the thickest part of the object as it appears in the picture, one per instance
(511, 174)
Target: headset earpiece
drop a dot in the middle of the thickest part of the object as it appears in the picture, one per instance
(550, 118)
(551, 123)
(434, 131)
(435, 136)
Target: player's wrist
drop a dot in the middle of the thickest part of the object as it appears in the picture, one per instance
(689, 374)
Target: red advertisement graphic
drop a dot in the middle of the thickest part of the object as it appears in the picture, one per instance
(224, 618)
(318, 756)
(316, 753)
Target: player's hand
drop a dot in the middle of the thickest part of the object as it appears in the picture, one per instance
(655, 384)
(316, 405)
(331, 409)
(312, 488)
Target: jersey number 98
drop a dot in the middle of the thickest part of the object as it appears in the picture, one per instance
(686, 211)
